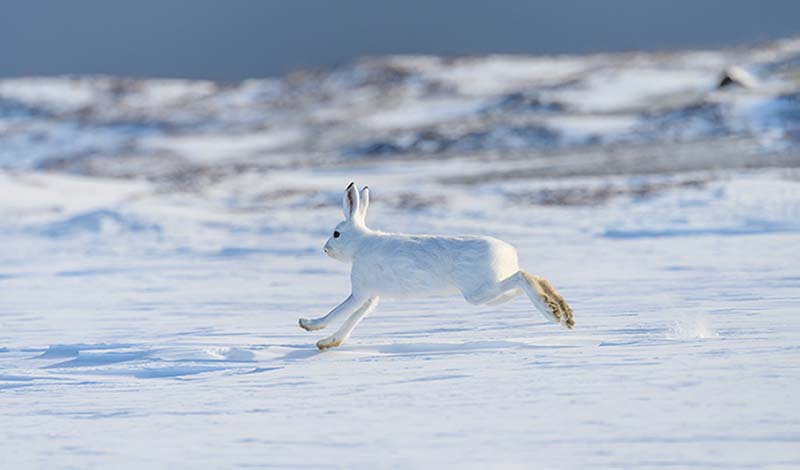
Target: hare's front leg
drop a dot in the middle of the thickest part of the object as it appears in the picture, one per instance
(350, 304)
(344, 332)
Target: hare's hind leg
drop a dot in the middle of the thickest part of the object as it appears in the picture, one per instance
(494, 294)
(350, 304)
(344, 332)
(546, 299)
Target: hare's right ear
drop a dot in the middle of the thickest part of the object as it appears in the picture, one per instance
(364, 201)
(350, 202)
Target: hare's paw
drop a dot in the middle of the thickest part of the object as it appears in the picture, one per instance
(569, 319)
(566, 317)
(562, 313)
(327, 343)
(309, 325)
(554, 309)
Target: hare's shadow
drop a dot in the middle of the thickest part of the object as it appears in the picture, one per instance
(301, 354)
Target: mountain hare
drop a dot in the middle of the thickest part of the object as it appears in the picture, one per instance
(483, 269)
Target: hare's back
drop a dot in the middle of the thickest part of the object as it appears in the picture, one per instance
(402, 265)
(466, 262)
(482, 261)
(398, 265)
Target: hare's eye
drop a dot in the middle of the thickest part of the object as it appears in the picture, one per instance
(336, 234)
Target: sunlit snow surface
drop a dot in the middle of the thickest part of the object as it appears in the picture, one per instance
(160, 238)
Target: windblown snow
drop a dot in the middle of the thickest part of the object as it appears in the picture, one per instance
(162, 237)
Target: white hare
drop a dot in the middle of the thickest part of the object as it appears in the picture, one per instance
(484, 270)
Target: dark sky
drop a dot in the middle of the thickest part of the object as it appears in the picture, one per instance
(234, 39)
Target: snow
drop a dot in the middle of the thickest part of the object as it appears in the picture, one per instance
(421, 112)
(219, 147)
(149, 316)
(53, 93)
(580, 128)
(502, 74)
(619, 90)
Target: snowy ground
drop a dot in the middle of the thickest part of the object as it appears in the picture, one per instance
(161, 238)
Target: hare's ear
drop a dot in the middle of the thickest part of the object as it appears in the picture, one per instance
(350, 202)
(364, 202)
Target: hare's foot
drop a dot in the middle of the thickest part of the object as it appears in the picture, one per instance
(553, 297)
(310, 324)
(328, 343)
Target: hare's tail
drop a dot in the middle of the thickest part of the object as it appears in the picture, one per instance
(548, 300)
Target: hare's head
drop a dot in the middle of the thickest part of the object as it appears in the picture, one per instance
(344, 239)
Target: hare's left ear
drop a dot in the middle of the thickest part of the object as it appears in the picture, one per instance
(364, 201)
(350, 202)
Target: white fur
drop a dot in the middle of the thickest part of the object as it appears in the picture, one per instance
(484, 270)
